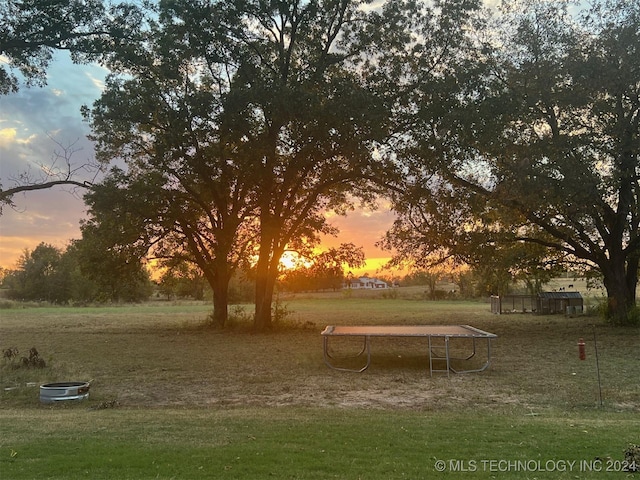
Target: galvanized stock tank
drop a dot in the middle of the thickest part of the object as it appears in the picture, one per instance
(64, 391)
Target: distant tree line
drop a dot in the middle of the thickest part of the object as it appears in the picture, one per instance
(75, 276)
(49, 274)
(326, 270)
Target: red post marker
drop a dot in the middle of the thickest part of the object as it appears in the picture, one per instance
(581, 351)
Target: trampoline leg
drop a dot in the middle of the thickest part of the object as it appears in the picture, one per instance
(366, 347)
(446, 350)
(483, 367)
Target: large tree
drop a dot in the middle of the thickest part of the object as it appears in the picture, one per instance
(235, 116)
(188, 193)
(540, 141)
(315, 121)
(38, 276)
(172, 214)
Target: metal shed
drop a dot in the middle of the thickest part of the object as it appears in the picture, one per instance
(559, 302)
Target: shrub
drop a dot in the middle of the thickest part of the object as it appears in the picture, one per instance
(34, 360)
(632, 458)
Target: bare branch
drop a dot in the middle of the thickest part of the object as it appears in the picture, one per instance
(60, 171)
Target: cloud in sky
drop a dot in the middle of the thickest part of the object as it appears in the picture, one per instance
(46, 216)
(32, 120)
(7, 136)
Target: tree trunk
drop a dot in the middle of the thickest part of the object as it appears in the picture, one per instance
(264, 296)
(262, 317)
(267, 276)
(218, 278)
(620, 280)
(266, 269)
(220, 302)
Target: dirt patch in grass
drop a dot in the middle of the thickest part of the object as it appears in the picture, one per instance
(150, 357)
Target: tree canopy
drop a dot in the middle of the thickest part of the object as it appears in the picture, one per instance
(31, 30)
(240, 123)
(539, 143)
(81, 273)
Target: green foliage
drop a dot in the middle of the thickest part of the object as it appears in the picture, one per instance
(514, 139)
(46, 274)
(75, 276)
(280, 311)
(465, 282)
(31, 30)
(38, 277)
(182, 280)
(116, 275)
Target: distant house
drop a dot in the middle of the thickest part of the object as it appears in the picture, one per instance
(365, 282)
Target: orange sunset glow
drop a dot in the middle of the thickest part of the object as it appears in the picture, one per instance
(26, 227)
(29, 138)
(53, 217)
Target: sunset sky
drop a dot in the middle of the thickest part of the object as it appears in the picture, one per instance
(33, 120)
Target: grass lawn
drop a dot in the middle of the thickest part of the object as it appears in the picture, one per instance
(295, 442)
(192, 402)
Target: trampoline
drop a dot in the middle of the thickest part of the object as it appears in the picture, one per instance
(438, 337)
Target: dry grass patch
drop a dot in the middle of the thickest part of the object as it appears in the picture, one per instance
(150, 356)
(193, 402)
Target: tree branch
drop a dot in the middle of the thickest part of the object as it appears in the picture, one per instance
(5, 195)
(52, 175)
